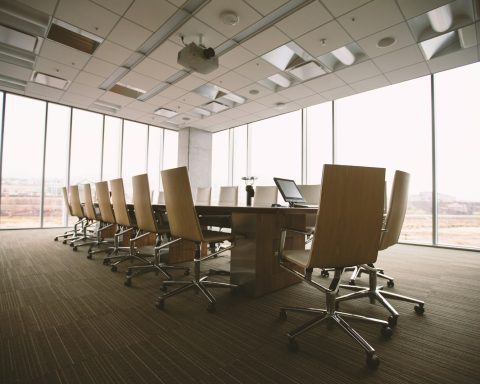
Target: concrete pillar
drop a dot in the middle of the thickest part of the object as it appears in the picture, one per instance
(195, 152)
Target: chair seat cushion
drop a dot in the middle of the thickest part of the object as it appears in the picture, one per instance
(216, 237)
(299, 257)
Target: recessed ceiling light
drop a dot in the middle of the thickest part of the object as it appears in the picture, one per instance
(386, 42)
(74, 37)
(186, 118)
(50, 81)
(279, 105)
(229, 18)
(165, 112)
(253, 91)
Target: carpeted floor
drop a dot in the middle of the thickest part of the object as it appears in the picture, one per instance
(67, 319)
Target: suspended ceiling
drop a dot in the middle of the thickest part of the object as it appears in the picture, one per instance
(278, 56)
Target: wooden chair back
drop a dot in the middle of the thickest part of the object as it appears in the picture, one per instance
(65, 200)
(265, 196)
(88, 202)
(349, 218)
(181, 212)
(104, 204)
(203, 196)
(396, 211)
(75, 203)
(142, 203)
(228, 196)
(119, 204)
(310, 192)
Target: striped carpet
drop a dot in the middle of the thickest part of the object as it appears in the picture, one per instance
(67, 319)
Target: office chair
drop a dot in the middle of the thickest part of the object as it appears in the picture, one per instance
(146, 224)
(203, 196)
(390, 235)
(347, 231)
(310, 192)
(228, 196)
(265, 196)
(184, 224)
(79, 211)
(107, 219)
(73, 233)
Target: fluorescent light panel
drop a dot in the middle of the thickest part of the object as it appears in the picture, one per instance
(50, 81)
(127, 90)
(18, 39)
(73, 37)
(119, 73)
(308, 71)
(165, 112)
(441, 18)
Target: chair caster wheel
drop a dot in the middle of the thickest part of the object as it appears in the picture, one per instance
(392, 321)
(89, 256)
(128, 282)
(64, 242)
(292, 345)
(324, 273)
(55, 239)
(160, 304)
(75, 248)
(113, 268)
(187, 272)
(419, 309)
(282, 315)
(390, 283)
(211, 307)
(351, 282)
(387, 331)
(373, 361)
(106, 262)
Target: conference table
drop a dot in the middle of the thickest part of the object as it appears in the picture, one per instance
(253, 264)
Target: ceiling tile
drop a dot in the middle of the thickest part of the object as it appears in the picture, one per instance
(139, 81)
(190, 82)
(371, 18)
(311, 100)
(63, 54)
(211, 15)
(167, 53)
(236, 57)
(76, 100)
(178, 106)
(87, 15)
(15, 71)
(305, 19)
(252, 107)
(408, 73)
(338, 8)
(254, 91)
(231, 81)
(324, 39)
(89, 79)
(193, 99)
(358, 72)
(234, 113)
(453, 60)
(265, 6)
(324, 83)
(371, 83)
(338, 93)
(129, 35)
(142, 106)
(265, 114)
(115, 98)
(177, 3)
(257, 69)
(172, 92)
(212, 75)
(400, 32)
(42, 96)
(85, 90)
(272, 99)
(55, 69)
(111, 52)
(297, 92)
(191, 32)
(265, 41)
(39, 89)
(99, 67)
(131, 114)
(398, 59)
(150, 14)
(158, 100)
(117, 6)
(47, 6)
(152, 68)
(412, 8)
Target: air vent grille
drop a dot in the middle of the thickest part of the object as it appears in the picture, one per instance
(72, 39)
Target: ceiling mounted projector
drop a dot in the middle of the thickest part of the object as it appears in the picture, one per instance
(198, 58)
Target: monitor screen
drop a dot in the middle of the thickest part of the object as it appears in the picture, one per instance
(289, 190)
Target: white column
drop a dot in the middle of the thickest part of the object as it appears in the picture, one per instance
(195, 152)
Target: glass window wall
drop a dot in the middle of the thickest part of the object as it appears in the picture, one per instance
(112, 148)
(135, 139)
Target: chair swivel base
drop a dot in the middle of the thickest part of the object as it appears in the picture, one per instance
(137, 270)
(335, 317)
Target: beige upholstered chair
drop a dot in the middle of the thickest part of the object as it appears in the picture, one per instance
(390, 235)
(73, 233)
(265, 196)
(184, 224)
(347, 232)
(228, 196)
(310, 192)
(203, 196)
(87, 236)
(146, 224)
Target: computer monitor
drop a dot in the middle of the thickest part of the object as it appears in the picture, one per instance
(289, 190)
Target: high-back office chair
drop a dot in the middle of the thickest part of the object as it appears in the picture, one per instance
(184, 224)
(203, 196)
(347, 232)
(78, 211)
(124, 226)
(390, 235)
(265, 196)
(93, 220)
(73, 233)
(310, 192)
(146, 223)
(228, 196)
